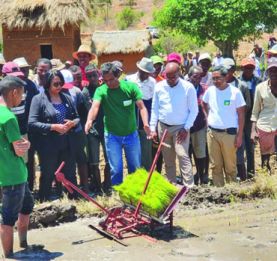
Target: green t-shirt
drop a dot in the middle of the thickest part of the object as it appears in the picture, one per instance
(13, 170)
(119, 107)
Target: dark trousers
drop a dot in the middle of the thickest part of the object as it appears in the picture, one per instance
(249, 148)
(50, 159)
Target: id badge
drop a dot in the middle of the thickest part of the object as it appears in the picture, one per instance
(127, 103)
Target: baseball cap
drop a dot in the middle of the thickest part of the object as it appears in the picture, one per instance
(272, 62)
(228, 63)
(91, 68)
(11, 68)
(273, 49)
(156, 59)
(174, 57)
(205, 56)
(118, 65)
(68, 79)
(248, 62)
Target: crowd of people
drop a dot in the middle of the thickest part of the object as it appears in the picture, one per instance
(67, 112)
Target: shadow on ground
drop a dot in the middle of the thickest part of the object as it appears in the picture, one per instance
(38, 255)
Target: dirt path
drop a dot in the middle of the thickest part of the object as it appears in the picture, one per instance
(245, 231)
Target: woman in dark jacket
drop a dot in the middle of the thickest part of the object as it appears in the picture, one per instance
(52, 119)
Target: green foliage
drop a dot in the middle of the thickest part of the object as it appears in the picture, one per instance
(127, 17)
(174, 41)
(225, 22)
(158, 195)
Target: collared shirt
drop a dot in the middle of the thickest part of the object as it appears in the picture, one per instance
(146, 86)
(174, 105)
(265, 108)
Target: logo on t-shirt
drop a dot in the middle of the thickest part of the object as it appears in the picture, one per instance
(227, 102)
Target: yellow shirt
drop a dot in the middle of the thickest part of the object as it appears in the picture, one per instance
(265, 108)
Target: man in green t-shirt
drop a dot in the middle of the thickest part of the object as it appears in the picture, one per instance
(118, 100)
(17, 201)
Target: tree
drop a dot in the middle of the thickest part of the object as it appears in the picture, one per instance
(127, 17)
(225, 22)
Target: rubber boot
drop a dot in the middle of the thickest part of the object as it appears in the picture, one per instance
(201, 170)
(241, 172)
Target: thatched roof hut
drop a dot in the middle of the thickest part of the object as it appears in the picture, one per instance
(126, 46)
(43, 13)
(33, 24)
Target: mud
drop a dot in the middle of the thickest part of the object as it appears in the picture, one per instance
(236, 231)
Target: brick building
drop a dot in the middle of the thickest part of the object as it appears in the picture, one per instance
(42, 28)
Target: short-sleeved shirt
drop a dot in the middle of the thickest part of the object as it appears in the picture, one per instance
(12, 168)
(223, 106)
(119, 107)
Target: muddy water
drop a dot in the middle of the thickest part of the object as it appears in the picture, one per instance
(245, 231)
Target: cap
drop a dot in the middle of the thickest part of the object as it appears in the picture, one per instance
(228, 63)
(272, 62)
(91, 68)
(68, 79)
(273, 49)
(11, 68)
(205, 56)
(118, 65)
(21, 62)
(157, 59)
(174, 57)
(248, 62)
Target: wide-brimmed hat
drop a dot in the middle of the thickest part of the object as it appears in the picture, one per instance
(2, 59)
(84, 49)
(21, 62)
(272, 62)
(11, 68)
(57, 64)
(146, 65)
(248, 62)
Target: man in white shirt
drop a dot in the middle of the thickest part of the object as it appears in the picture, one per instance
(205, 62)
(174, 108)
(146, 83)
(225, 107)
(218, 60)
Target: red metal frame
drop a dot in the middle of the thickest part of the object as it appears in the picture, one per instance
(126, 221)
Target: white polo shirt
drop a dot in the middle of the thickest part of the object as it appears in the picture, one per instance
(223, 105)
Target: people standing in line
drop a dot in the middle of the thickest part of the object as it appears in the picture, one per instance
(174, 108)
(118, 100)
(264, 114)
(230, 65)
(95, 136)
(198, 132)
(225, 107)
(17, 200)
(53, 118)
(247, 76)
(146, 84)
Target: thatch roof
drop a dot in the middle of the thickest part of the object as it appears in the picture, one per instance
(120, 41)
(43, 13)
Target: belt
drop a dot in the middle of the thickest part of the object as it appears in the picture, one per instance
(223, 130)
(167, 125)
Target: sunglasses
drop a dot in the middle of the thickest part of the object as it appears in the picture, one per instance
(57, 84)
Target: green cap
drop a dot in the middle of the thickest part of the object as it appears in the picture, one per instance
(156, 59)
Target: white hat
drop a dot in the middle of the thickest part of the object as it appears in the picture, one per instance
(2, 59)
(68, 79)
(205, 56)
(146, 65)
(228, 63)
(21, 62)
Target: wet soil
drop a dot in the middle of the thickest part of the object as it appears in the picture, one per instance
(235, 231)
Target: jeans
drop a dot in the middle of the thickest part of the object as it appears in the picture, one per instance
(16, 199)
(131, 146)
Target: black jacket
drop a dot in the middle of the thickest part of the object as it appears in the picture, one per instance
(42, 115)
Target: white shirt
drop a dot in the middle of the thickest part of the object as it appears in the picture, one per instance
(207, 80)
(174, 105)
(223, 106)
(146, 87)
(217, 61)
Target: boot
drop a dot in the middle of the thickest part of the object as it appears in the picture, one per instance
(107, 184)
(95, 184)
(201, 170)
(241, 172)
